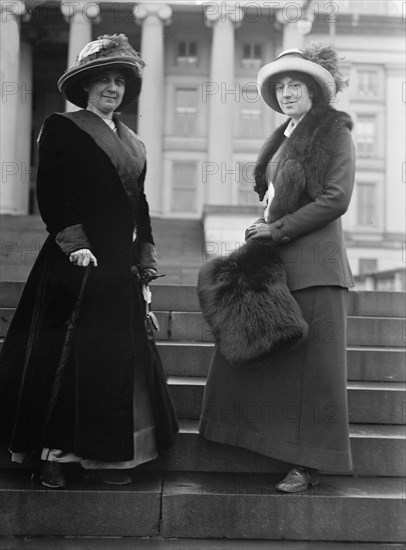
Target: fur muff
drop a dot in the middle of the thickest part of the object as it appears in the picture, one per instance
(247, 304)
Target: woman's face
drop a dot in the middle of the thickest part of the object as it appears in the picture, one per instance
(293, 97)
(105, 91)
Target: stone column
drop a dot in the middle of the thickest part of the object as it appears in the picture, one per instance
(153, 17)
(10, 49)
(220, 173)
(80, 14)
(24, 123)
(392, 195)
(297, 21)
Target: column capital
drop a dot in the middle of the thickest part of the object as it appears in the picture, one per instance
(219, 10)
(297, 14)
(89, 11)
(161, 11)
(10, 9)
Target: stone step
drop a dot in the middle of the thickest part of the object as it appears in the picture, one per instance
(248, 506)
(376, 364)
(205, 505)
(132, 543)
(368, 364)
(364, 364)
(88, 508)
(183, 297)
(377, 451)
(179, 245)
(190, 326)
(368, 402)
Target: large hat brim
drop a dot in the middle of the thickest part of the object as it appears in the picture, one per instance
(70, 83)
(287, 64)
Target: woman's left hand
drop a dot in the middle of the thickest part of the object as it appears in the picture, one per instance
(148, 274)
(257, 231)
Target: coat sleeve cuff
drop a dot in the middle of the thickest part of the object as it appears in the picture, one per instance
(149, 258)
(72, 238)
(279, 233)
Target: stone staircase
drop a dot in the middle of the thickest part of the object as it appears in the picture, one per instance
(179, 244)
(206, 491)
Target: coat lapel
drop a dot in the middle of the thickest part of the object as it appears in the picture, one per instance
(125, 151)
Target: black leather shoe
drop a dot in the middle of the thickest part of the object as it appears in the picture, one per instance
(115, 477)
(298, 479)
(52, 474)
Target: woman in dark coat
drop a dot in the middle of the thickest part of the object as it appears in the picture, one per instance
(105, 403)
(293, 405)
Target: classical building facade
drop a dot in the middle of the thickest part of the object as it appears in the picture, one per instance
(199, 112)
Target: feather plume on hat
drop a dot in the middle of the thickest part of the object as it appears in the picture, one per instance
(108, 45)
(325, 56)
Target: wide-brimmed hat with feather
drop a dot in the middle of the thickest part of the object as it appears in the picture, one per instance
(317, 60)
(108, 52)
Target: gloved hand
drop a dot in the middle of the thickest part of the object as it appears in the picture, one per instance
(149, 274)
(82, 257)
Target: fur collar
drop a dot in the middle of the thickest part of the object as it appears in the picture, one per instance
(304, 159)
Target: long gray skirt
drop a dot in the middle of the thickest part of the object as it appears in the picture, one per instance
(293, 406)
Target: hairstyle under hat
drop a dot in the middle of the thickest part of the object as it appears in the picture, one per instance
(316, 61)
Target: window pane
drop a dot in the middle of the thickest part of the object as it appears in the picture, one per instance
(368, 82)
(366, 204)
(367, 265)
(246, 193)
(251, 56)
(184, 187)
(250, 114)
(366, 135)
(257, 51)
(247, 51)
(182, 49)
(187, 52)
(185, 111)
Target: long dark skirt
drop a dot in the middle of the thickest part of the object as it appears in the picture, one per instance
(293, 405)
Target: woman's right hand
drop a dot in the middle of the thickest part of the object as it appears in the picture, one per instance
(82, 257)
(252, 229)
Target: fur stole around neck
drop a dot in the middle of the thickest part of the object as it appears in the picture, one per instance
(304, 159)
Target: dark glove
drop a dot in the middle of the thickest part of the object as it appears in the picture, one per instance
(149, 274)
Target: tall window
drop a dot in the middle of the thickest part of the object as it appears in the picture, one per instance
(250, 113)
(186, 111)
(251, 55)
(366, 135)
(246, 193)
(187, 53)
(368, 83)
(184, 187)
(366, 205)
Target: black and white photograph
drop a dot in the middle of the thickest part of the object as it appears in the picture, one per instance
(203, 275)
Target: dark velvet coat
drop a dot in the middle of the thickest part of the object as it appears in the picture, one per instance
(90, 189)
